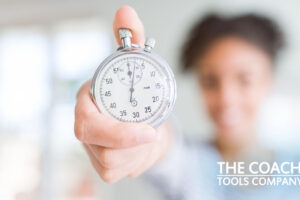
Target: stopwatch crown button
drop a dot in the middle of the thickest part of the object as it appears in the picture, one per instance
(125, 33)
(149, 44)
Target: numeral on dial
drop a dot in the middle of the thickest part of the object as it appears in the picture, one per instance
(123, 113)
(157, 85)
(152, 74)
(136, 114)
(107, 94)
(113, 105)
(147, 109)
(108, 80)
(155, 99)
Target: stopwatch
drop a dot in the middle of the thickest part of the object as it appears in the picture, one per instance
(134, 84)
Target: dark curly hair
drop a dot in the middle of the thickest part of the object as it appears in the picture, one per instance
(259, 30)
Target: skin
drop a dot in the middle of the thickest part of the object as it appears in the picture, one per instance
(118, 149)
(234, 76)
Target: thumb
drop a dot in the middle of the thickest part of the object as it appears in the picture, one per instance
(126, 17)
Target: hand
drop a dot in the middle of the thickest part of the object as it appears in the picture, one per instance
(117, 149)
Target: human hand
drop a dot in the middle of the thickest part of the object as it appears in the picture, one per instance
(117, 149)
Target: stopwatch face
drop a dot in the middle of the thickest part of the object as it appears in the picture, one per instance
(134, 87)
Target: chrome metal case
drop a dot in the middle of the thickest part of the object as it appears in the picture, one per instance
(134, 49)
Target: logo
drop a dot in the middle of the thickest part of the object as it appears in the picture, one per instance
(259, 174)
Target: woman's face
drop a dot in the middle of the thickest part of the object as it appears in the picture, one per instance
(234, 76)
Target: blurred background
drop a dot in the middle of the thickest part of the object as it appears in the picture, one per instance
(48, 48)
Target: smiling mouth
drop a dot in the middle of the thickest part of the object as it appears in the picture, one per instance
(229, 118)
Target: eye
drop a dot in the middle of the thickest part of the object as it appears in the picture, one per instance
(209, 82)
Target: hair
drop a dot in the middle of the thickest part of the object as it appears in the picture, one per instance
(261, 31)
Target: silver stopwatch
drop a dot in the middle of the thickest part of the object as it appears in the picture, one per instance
(134, 84)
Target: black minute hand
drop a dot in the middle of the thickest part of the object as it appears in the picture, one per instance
(132, 81)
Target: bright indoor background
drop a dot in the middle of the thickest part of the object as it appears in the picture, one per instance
(48, 48)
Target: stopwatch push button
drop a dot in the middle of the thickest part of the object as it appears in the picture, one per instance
(124, 33)
(125, 36)
(149, 44)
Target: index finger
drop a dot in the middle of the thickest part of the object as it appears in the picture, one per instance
(92, 127)
(126, 17)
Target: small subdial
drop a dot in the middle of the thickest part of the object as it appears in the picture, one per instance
(129, 71)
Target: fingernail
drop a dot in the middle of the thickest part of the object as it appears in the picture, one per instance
(145, 135)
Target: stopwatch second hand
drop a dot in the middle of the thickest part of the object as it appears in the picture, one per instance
(131, 89)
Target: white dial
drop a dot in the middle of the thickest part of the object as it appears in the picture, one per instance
(134, 87)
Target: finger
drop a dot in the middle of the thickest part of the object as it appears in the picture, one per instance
(148, 160)
(112, 175)
(105, 176)
(113, 158)
(126, 17)
(83, 95)
(154, 153)
(93, 159)
(92, 127)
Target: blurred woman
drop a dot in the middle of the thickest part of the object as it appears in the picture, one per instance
(233, 59)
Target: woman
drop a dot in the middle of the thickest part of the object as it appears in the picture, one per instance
(233, 59)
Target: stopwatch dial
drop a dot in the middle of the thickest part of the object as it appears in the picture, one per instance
(133, 88)
(126, 75)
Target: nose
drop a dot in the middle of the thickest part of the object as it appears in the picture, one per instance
(227, 96)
